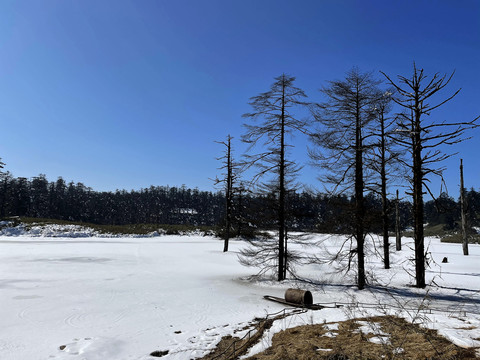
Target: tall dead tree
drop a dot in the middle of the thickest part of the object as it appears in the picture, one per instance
(384, 160)
(340, 145)
(463, 211)
(423, 139)
(398, 232)
(228, 180)
(4, 192)
(274, 108)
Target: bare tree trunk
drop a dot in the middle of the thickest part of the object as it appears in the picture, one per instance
(418, 197)
(274, 107)
(398, 234)
(347, 136)
(5, 184)
(462, 210)
(383, 176)
(286, 254)
(359, 202)
(228, 195)
(415, 95)
(282, 261)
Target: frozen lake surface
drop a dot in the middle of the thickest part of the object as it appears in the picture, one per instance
(122, 298)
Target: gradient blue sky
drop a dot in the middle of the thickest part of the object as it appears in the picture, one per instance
(127, 94)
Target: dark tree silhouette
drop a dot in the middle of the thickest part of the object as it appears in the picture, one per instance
(277, 121)
(227, 181)
(463, 211)
(4, 185)
(340, 145)
(423, 139)
(383, 162)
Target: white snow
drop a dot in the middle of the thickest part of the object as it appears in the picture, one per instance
(70, 231)
(381, 340)
(320, 349)
(372, 327)
(125, 297)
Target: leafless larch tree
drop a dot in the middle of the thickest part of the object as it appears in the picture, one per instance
(341, 142)
(424, 138)
(229, 177)
(383, 161)
(274, 111)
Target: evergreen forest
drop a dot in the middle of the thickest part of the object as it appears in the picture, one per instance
(40, 198)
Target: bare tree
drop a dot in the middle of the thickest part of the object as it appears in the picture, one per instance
(4, 186)
(423, 139)
(274, 108)
(228, 180)
(398, 231)
(463, 211)
(342, 137)
(384, 161)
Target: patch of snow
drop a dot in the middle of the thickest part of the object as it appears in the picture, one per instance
(374, 328)
(320, 349)
(78, 231)
(367, 327)
(380, 340)
(333, 326)
(330, 334)
(51, 230)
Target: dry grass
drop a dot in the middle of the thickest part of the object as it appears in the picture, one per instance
(401, 340)
(221, 347)
(241, 346)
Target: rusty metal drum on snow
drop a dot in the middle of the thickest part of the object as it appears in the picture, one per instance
(297, 296)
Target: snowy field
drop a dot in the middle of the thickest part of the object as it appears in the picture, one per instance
(73, 298)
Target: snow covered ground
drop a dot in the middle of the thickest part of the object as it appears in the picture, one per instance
(73, 298)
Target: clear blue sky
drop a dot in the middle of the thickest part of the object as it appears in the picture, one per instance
(127, 94)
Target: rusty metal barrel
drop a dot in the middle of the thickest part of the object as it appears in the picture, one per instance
(300, 297)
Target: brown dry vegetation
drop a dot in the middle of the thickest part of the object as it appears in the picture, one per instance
(232, 347)
(404, 341)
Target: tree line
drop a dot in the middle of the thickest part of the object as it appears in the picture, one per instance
(308, 211)
(71, 201)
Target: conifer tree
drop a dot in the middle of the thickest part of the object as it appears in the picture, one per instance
(341, 145)
(276, 121)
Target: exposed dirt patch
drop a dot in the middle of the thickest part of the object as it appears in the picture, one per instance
(233, 347)
(384, 337)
